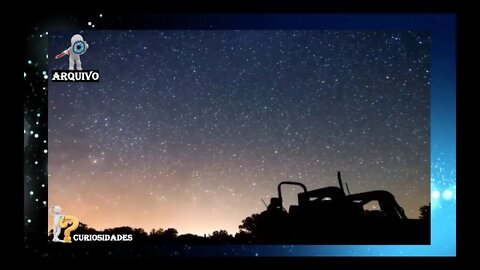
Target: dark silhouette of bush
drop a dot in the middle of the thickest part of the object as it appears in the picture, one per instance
(192, 239)
(274, 226)
(155, 235)
(221, 236)
(170, 233)
(243, 237)
(250, 224)
(425, 212)
(163, 236)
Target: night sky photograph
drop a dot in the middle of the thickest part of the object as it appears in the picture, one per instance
(192, 129)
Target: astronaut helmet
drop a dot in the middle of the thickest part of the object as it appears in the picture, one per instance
(57, 209)
(76, 38)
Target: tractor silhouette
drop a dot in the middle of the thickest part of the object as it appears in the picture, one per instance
(329, 216)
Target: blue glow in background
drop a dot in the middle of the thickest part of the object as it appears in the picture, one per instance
(442, 28)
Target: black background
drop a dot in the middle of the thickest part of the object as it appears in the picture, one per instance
(41, 15)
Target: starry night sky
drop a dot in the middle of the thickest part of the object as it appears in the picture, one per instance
(190, 129)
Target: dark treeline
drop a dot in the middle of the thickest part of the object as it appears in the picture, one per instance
(248, 233)
(167, 236)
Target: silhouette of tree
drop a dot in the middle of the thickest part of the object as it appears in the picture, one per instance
(119, 230)
(250, 224)
(274, 226)
(221, 236)
(243, 237)
(220, 233)
(84, 229)
(270, 226)
(425, 212)
(139, 234)
(170, 233)
(154, 232)
(191, 239)
(155, 235)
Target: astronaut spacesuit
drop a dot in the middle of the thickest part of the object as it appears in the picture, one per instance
(78, 47)
(55, 211)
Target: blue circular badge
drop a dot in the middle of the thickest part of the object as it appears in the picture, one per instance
(79, 47)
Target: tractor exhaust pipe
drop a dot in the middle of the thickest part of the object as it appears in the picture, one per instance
(339, 177)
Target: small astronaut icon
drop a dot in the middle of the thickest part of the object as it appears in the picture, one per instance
(79, 47)
(56, 211)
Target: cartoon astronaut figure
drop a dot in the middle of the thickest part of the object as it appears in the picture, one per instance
(79, 47)
(55, 211)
